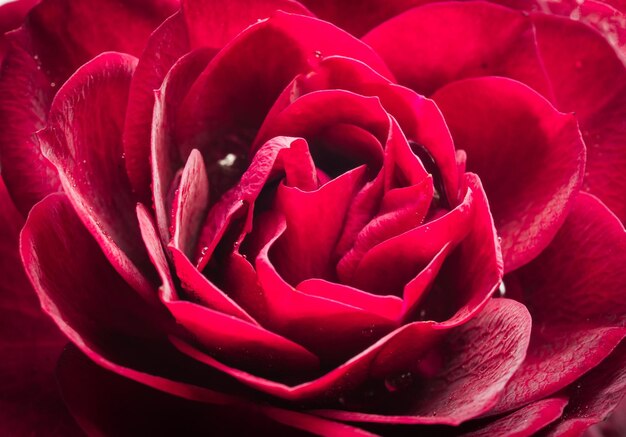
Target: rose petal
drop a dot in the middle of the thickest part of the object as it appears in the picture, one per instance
(588, 77)
(190, 204)
(419, 118)
(579, 314)
(456, 40)
(166, 158)
(25, 97)
(526, 421)
(214, 25)
(106, 404)
(309, 319)
(29, 344)
(594, 396)
(359, 17)
(300, 254)
(479, 358)
(66, 34)
(166, 45)
(529, 156)
(232, 96)
(85, 146)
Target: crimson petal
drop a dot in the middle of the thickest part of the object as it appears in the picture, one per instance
(25, 97)
(106, 404)
(529, 156)
(85, 146)
(29, 344)
(524, 422)
(579, 314)
(594, 397)
(456, 40)
(166, 45)
(588, 77)
(480, 357)
(215, 25)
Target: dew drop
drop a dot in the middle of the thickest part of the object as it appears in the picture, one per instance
(53, 84)
(501, 289)
(228, 160)
(317, 54)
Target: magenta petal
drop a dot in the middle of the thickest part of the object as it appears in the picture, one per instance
(107, 404)
(242, 344)
(359, 17)
(190, 204)
(66, 34)
(388, 307)
(166, 157)
(29, 345)
(310, 319)
(529, 156)
(166, 45)
(579, 314)
(215, 25)
(77, 286)
(525, 422)
(477, 366)
(86, 147)
(594, 397)
(12, 14)
(300, 254)
(456, 40)
(389, 265)
(235, 92)
(202, 290)
(589, 78)
(25, 97)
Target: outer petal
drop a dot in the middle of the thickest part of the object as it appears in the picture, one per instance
(58, 36)
(106, 404)
(357, 17)
(456, 40)
(233, 95)
(524, 422)
(166, 45)
(478, 359)
(594, 397)
(76, 285)
(588, 77)
(25, 97)
(214, 24)
(85, 145)
(29, 345)
(579, 312)
(529, 156)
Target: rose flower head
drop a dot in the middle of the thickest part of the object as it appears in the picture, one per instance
(265, 217)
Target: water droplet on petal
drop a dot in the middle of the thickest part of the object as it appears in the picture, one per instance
(501, 289)
(317, 54)
(52, 84)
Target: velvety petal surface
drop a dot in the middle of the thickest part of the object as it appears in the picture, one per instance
(25, 97)
(578, 315)
(107, 404)
(524, 422)
(164, 47)
(529, 156)
(83, 140)
(594, 397)
(29, 344)
(478, 359)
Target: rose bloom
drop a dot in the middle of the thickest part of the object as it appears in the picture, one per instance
(265, 217)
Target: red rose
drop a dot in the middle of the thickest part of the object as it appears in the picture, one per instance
(247, 220)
